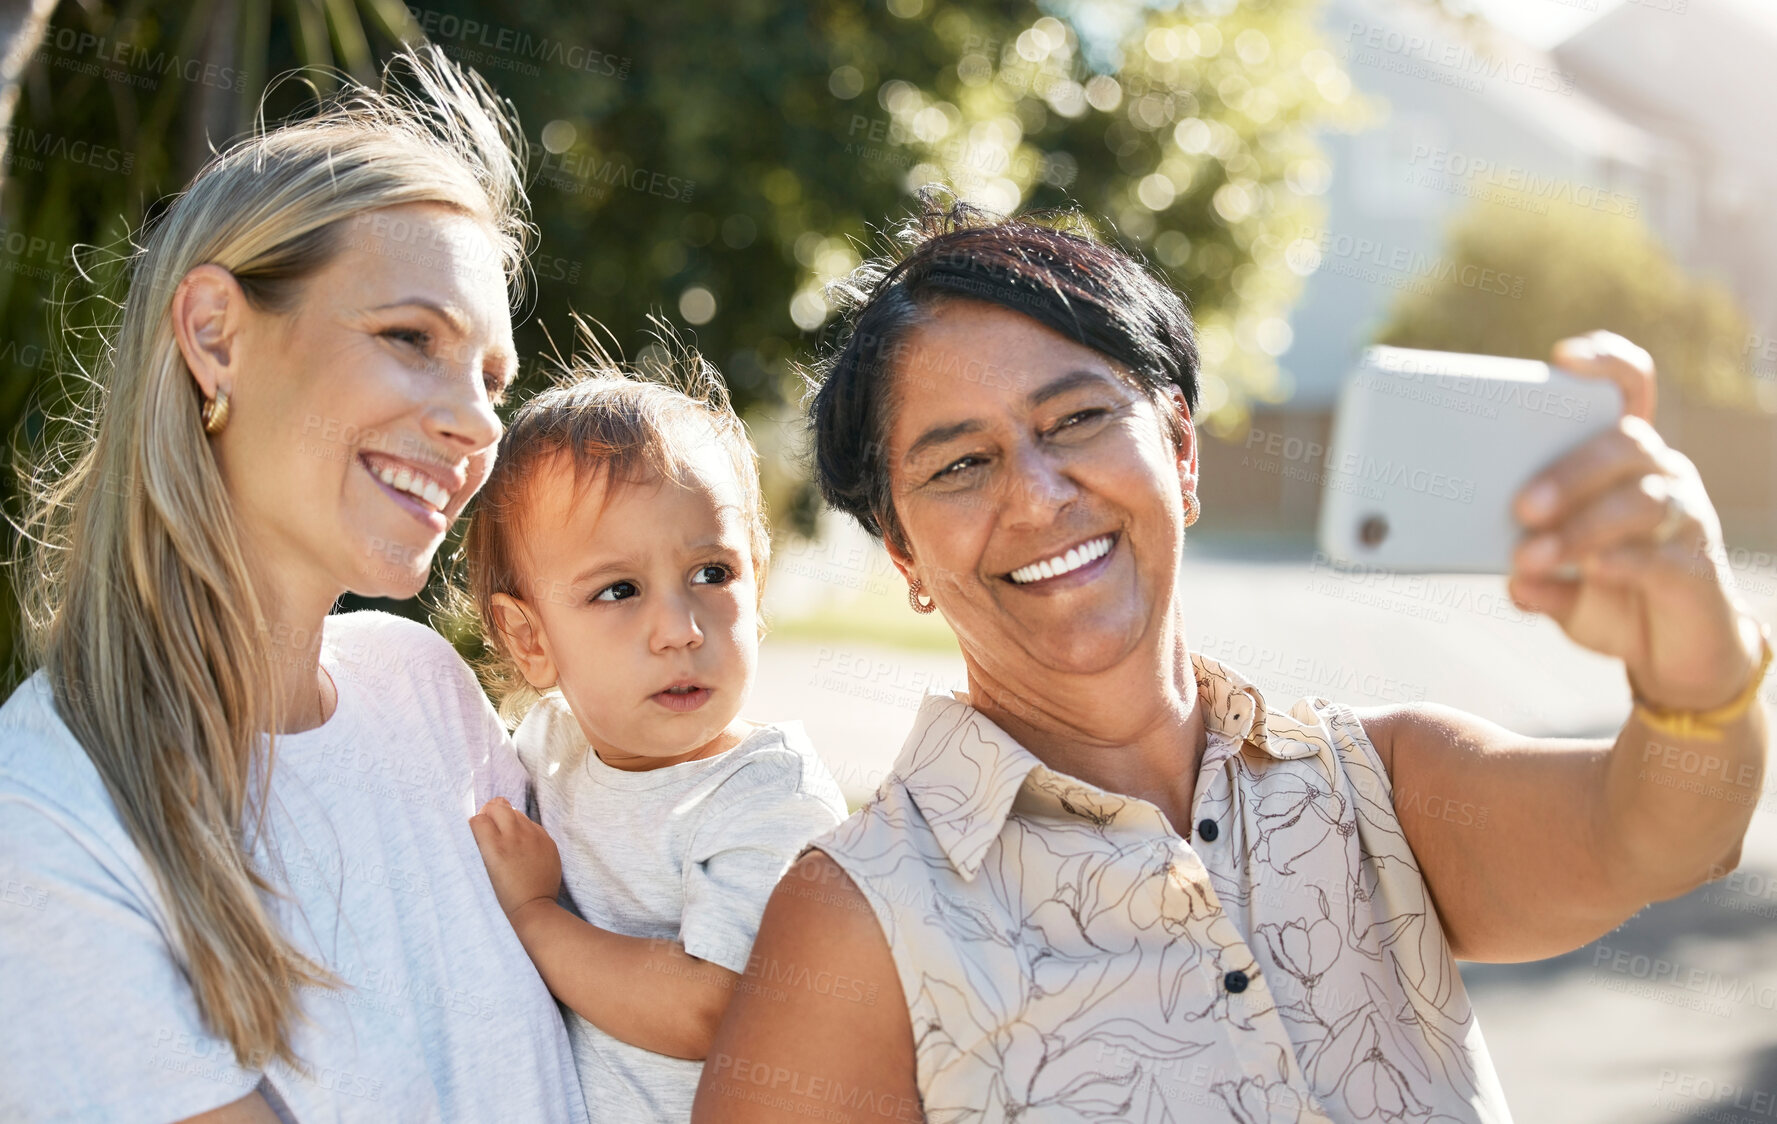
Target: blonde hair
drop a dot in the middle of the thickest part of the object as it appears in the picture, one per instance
(605, 420)
(140, 602)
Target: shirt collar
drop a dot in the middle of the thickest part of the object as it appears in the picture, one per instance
(964, 771)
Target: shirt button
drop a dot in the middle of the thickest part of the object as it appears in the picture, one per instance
(1207, 830)
(1235, 981)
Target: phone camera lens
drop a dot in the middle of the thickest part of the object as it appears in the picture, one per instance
(1372, 530)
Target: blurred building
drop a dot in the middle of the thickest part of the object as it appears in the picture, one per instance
(1649, 111)
(1694, 75)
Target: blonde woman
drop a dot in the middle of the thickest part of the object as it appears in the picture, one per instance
(234, 829)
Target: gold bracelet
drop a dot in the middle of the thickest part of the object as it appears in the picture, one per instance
(1707, 725)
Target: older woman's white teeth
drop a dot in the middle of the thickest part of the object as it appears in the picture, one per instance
(1062, 563)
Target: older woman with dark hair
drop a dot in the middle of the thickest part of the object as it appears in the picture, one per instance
(1113, 880)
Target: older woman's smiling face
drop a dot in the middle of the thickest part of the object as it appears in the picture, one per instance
(1038, 490)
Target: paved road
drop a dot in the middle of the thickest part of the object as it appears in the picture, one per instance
(1671, 1017)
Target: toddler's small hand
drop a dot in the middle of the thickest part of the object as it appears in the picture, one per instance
(521, 859)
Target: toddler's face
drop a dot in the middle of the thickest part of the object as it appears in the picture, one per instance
(648, 608)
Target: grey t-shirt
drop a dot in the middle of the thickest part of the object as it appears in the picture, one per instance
(440, 1015)
(686, 852)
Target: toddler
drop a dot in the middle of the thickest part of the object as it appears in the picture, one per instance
(616, 560)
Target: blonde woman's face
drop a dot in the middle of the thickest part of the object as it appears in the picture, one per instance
(362, 422)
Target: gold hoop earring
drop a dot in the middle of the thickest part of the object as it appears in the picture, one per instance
(214, 412)
(1193, 508)
(913, 592)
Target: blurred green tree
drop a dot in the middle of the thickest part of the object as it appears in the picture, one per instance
(720, 170)
(1209, 122)
(1581, 269)
(118, 105)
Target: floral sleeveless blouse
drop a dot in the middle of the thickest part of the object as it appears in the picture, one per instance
(1066, 955)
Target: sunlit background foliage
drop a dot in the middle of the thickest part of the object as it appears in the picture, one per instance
(719, 172)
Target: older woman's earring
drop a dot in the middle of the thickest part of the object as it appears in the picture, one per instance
(1193, 508)
(215, 412)
(913, 592)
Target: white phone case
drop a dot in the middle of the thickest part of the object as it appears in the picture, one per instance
(1430, 447)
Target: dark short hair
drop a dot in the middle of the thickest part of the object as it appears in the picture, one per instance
(1048, 267)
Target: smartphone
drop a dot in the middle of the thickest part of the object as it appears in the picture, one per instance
(1429, 449)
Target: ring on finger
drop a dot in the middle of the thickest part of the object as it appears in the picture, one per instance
(1670, 521)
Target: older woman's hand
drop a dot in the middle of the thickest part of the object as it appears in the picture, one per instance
(1585, 832)
(1617, 565)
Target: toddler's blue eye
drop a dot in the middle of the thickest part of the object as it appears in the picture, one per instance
(712, 574)
(617, 591)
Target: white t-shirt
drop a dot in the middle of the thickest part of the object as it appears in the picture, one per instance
(441, 1016)
(687, 852)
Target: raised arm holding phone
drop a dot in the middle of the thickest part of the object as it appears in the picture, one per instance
(1113, 877)
(1590, 833)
